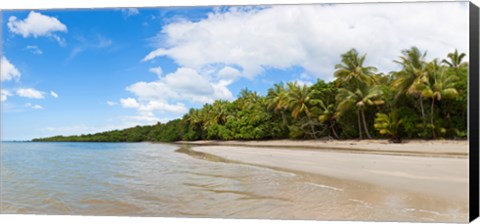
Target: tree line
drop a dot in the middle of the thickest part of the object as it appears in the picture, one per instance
(423, 100)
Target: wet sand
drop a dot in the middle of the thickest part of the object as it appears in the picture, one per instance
(437, 168)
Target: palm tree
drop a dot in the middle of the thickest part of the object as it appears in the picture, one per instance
(299, 101)
(437, 87)
(247, 98)
(351, 72)
(412, 73)
(277, 100)
(455, 59)
(389, 124)
(327, 115)
(359, 100)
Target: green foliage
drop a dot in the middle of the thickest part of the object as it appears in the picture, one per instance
(389, 124)
(424, 99)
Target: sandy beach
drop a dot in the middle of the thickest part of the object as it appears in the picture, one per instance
(433, 148)
(436, 168)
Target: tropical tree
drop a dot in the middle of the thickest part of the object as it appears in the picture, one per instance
(455, 59)
(439, 86)
(389, 124)
(412, 73)
(327, 115)
(359, 100)
(351, 72)
(277, 100)
(300, 101)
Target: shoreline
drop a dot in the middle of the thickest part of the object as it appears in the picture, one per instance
(426, 148)
(436, 176)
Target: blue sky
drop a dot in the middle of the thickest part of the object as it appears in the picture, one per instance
(83, 71)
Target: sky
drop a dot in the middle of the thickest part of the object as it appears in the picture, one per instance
(67, 72)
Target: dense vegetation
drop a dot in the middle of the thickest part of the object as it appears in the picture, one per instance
(425, 99)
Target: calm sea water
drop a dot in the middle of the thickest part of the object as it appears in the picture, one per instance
(142, 179)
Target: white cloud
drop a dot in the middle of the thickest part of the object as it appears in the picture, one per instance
(4, 95)
(303, 83)
(53, 94)
(156, 70)
(229, 73)
(33, 106)
(129, 11)
(30, 93)
(34, 49)
(312, 36)
(110, 103)
(37, 25)
(129, 103)
(184, 84)
(8, 70)
(169, 93)
(154, 105)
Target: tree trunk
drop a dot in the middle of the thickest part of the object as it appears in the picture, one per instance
(332, 126)
(313, 129)
(431, 119)
(423, 110)
(359, 124)
(365, 124)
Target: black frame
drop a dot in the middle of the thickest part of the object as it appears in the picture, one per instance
(474, 111)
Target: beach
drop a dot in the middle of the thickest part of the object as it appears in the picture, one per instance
(438, 169)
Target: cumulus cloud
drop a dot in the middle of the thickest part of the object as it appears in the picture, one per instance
(4, 95)
(229, 73)
(34, 49)
(247, 42)
(33, 106)
(37, 25)
(53, 94)
(156, 70)
(8, 70)
(30, 93)
(129, 103)
(171, 92)
(183, 84)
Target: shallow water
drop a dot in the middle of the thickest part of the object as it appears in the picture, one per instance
(142, 179)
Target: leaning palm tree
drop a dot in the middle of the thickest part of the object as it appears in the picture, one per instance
(351, 72)
(358, 100)
(439, 86)
(413, 72)
(300, 100)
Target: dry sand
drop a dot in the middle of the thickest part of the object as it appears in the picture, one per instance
(432, 148)
(437, 168)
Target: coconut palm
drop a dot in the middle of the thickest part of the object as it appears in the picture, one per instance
(439, 86)
(352, 73)
(327, 115)
(358, 100)
(300, 101)
(412, 73)
(388, 124)
(455, 59)
(277, 100)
